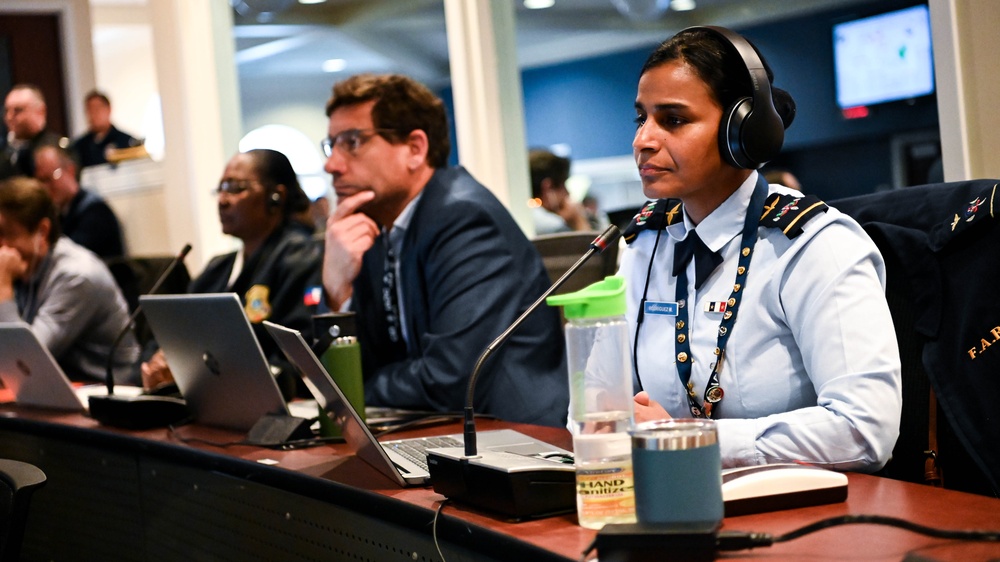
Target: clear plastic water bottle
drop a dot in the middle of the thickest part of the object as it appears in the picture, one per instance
(600, 407)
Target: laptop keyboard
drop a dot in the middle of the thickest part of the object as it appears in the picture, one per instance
(415, 450)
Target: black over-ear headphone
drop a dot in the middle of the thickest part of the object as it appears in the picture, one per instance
(751, 131)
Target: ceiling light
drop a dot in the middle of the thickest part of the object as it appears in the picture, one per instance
(539, 4)
(311, 1)
(641, 10)
(682, 5)
(334, 65)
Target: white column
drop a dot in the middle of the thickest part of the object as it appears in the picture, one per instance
(193, 44)
(489, 116)
(967, 77)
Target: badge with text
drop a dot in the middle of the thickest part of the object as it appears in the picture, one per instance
(663, 308)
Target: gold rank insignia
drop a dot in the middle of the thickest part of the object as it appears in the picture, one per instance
(792, 214)
(258, 307)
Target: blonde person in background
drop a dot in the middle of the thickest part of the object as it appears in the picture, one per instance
(62, 290)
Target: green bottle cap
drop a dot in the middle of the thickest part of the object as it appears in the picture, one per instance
(600, 300)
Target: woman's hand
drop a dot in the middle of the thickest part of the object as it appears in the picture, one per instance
(155, 372)
(647, 409)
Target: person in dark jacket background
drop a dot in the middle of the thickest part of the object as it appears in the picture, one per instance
(274, 271)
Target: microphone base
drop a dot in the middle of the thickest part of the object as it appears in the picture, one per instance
(138, 412)
(275, 429)
(519, 487)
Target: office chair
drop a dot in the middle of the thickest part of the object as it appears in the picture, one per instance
(561, 250)
(941, 244)
(18, 480)
(136, 276)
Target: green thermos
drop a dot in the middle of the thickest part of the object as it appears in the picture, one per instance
(343, 361)
(340, 355)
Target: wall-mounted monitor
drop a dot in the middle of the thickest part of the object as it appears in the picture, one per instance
(882, 58)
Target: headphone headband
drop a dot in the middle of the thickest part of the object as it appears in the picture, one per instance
(751, 132)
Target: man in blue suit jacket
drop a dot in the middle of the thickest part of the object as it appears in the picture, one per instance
(432, 263)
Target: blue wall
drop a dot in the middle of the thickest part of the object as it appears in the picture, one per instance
(588, 105)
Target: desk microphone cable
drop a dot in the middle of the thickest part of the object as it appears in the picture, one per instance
(741, 540)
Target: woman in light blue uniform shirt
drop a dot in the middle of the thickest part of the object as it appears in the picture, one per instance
(793, 303)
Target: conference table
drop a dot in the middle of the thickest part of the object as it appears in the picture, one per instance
(192, 493)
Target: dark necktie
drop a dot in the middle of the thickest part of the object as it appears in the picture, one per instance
(705, 260)
(389, 296)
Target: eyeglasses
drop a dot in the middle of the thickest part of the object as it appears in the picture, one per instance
(233, 187)
(349, 141)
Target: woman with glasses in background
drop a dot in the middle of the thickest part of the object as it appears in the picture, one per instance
(278, 264)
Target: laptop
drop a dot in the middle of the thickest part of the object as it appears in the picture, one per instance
(34, 377)
(215, 358)
(404, 460)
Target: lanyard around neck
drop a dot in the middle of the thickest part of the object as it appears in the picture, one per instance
(713, 389)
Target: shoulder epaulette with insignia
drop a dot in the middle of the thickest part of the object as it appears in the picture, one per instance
(790, 213)
(654, 215)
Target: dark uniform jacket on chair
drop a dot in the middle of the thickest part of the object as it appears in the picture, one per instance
(466, 273)
(944, 240)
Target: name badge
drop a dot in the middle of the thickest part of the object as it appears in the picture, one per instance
(664, 308)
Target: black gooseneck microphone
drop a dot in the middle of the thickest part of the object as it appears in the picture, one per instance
(144, 411)
(518, 486)
(608, 237)
(109, 373)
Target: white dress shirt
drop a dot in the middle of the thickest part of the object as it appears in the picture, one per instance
(811, 371)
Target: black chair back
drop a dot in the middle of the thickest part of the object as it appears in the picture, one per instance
(560, 251)
(18, 480)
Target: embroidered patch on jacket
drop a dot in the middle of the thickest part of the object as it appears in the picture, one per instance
(978, 207)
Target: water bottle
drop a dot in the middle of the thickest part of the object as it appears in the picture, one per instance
(600, 406)
(342, 360)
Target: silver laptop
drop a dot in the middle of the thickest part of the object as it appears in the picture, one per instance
(32, 374)
(215, 358)
(403, 460)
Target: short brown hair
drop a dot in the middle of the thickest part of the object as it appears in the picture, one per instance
(545, 165)
(25, 201)
(402, 105)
